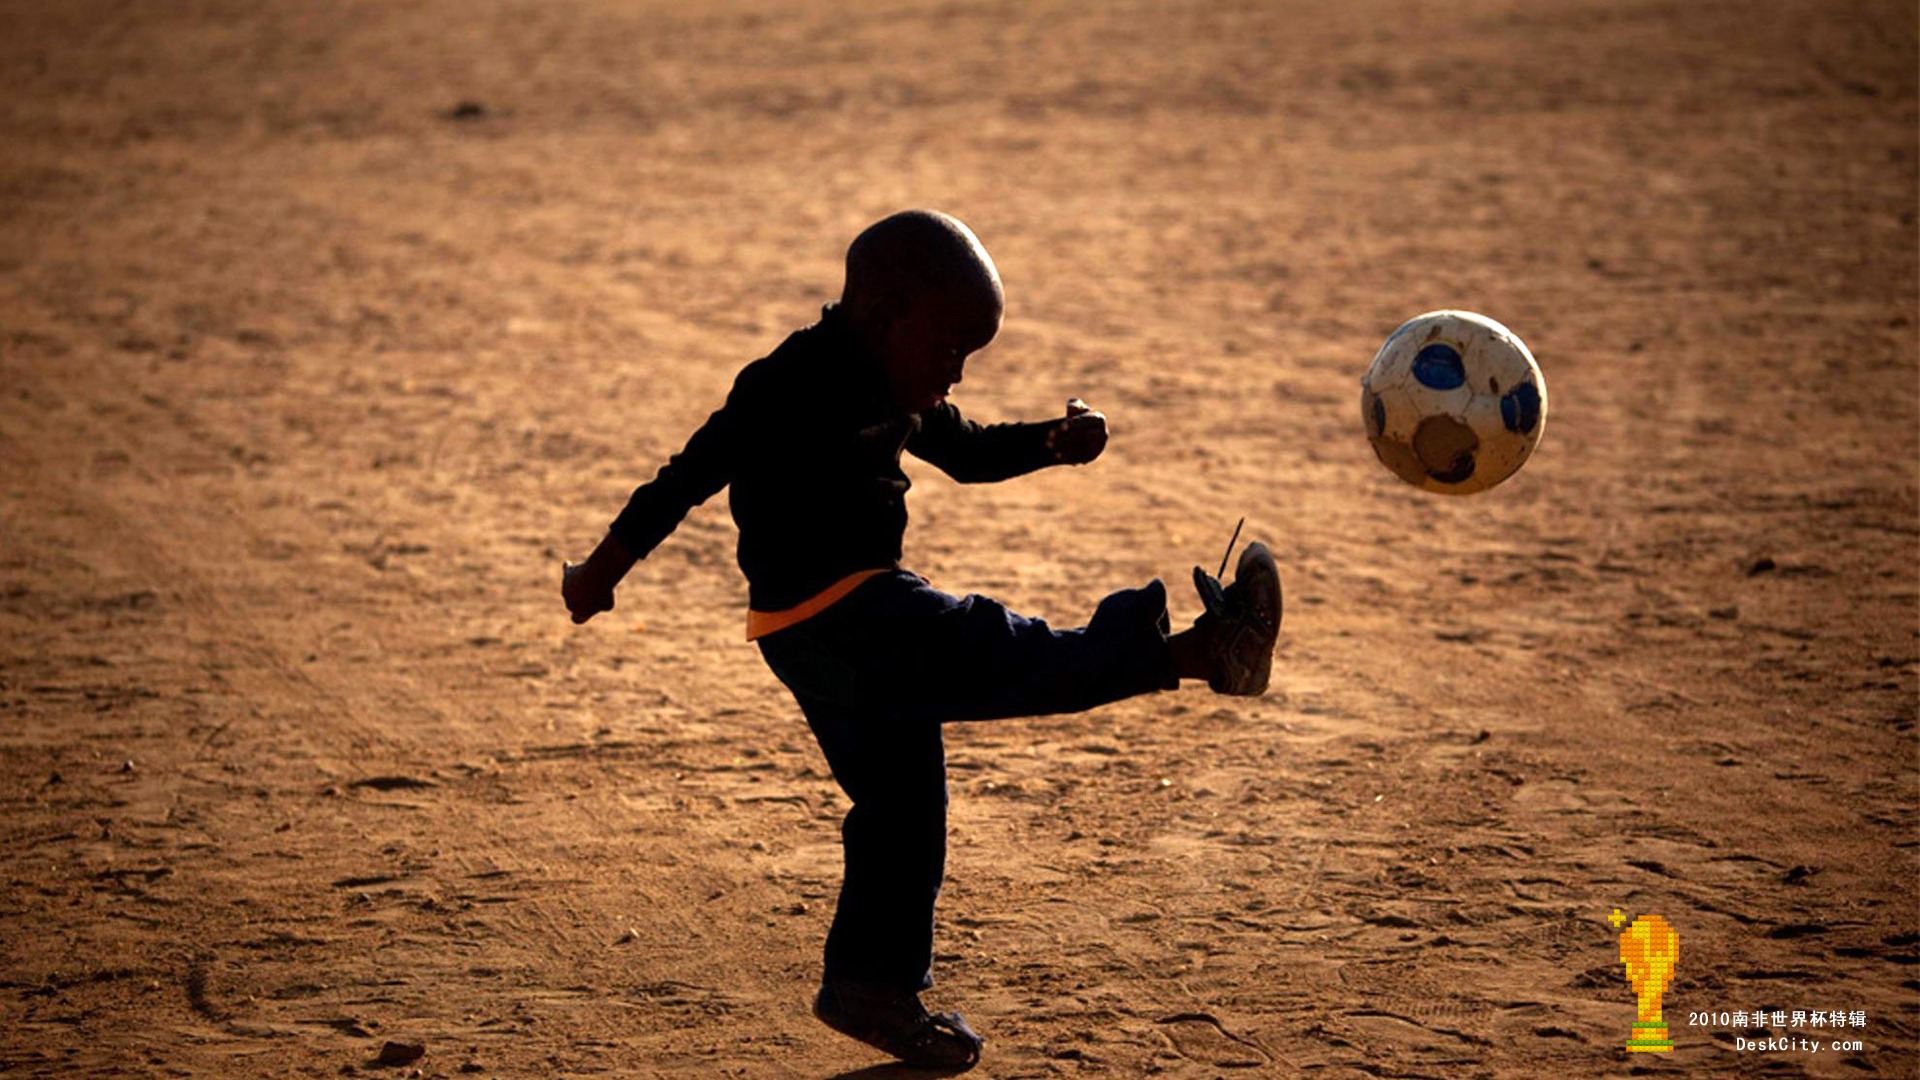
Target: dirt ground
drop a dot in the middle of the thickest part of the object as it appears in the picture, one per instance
(328, 328)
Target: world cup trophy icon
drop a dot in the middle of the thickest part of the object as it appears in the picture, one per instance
(1649, 948)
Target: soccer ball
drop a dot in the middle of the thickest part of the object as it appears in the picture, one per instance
(1453, 402)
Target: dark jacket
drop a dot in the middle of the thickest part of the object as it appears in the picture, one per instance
(810, 444)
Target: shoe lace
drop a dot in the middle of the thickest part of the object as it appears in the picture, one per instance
(1213, 596)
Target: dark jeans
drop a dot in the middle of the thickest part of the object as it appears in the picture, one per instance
(878, 673)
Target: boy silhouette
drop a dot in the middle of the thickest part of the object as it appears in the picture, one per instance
(809, 440)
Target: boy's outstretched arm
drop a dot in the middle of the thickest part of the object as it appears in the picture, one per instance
(656, 508)
(973, 454)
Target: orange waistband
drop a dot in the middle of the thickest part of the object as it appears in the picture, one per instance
(762, 623)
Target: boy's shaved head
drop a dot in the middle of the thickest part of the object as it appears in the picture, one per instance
(922, 294)
(919, 254)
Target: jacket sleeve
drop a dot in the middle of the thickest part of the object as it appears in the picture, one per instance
(692, 476)
(972, 453)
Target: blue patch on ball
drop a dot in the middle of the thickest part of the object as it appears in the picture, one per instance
(1520, 408)
(1438, 367)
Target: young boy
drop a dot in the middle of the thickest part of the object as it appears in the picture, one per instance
(810, 441)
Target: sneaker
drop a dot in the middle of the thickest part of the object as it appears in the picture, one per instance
(894, 1022)
(1243, 622)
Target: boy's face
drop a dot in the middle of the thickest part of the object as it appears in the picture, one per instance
(925, 347)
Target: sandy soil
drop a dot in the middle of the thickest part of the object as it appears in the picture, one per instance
(309, 379)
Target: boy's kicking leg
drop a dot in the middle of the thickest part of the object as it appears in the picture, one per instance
(970, 658)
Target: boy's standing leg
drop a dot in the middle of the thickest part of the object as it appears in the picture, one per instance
(879, 950)
(894, 770)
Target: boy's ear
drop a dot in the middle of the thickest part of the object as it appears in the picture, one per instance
(883, 309)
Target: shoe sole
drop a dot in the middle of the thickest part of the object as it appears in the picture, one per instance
(1258, 576)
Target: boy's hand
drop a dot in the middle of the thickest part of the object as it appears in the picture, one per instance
(1079, 437)
(588, 587)
(585, 598)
